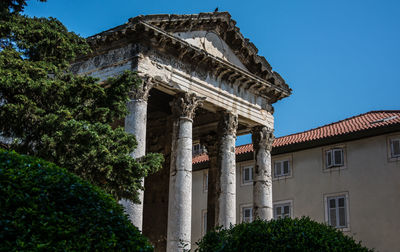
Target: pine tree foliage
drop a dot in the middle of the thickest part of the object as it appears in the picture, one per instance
(60, 117)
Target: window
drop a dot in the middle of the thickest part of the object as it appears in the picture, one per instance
(337, 211)
(197, 150)
(247, 214)
(205, 181)
(395, 147)
(281, 168)
(204, 222)
(247, 174)
(334, 158)
(282, 211)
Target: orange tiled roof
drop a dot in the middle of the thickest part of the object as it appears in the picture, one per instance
(238, 150)
(369, 120)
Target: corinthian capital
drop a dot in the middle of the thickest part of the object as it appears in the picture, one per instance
(141, 92)
(262, 137)
(228, 124)
(185, 104)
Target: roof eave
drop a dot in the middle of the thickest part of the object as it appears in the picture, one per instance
(223, 68)
(351, 136)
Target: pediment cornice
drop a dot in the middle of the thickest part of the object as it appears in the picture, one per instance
(157, 30)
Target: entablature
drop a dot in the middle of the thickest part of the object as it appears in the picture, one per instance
(140, 30)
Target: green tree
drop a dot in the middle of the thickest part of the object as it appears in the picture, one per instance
(62, 118)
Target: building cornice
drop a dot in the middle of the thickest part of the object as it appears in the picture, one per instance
(140, 29)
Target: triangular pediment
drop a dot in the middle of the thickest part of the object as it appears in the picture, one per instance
(214, 34)
(221, 24)
(213, 44)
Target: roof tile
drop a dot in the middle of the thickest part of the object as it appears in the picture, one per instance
(369, 120)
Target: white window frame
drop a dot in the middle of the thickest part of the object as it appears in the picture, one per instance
(243, 208)
(196, 152)
(391, 141)
(335, 166)
(332, 156)
(242, 179)
(282, 174)
(203, 222)
(283, 203)
(344, 195)
(205, 181)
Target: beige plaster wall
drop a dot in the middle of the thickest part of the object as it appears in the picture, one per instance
(369, 178)
(199, 204)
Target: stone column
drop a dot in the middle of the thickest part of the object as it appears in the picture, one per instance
(135, 123)
(262, 138)
(227, 162)
(221, 196)
(180, 182)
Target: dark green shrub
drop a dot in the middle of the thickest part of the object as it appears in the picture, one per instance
(278, 235)
(44, 207)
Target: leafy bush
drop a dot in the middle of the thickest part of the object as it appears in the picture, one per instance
(278, 235)
(44, 207)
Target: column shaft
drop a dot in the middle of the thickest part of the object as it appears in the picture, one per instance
(180, 183)
(135, 123)
(262, 190)
(227, 160)
(180, 187)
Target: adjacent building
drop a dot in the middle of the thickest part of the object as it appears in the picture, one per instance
(345, 174)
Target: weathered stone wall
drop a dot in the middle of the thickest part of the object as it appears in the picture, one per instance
(109, 63)
(174, 75)
(211, 43)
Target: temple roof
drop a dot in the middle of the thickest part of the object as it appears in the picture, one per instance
(224, 26)
(164, 26)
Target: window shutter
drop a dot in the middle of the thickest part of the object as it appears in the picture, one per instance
(278, 211)
(328, 158)
(286, 211)
(286, 167)
(278, 169)
(338, 157)
(342, 212)
(332, 217)
(332, 212)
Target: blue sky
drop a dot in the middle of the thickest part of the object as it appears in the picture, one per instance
(341, 58)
